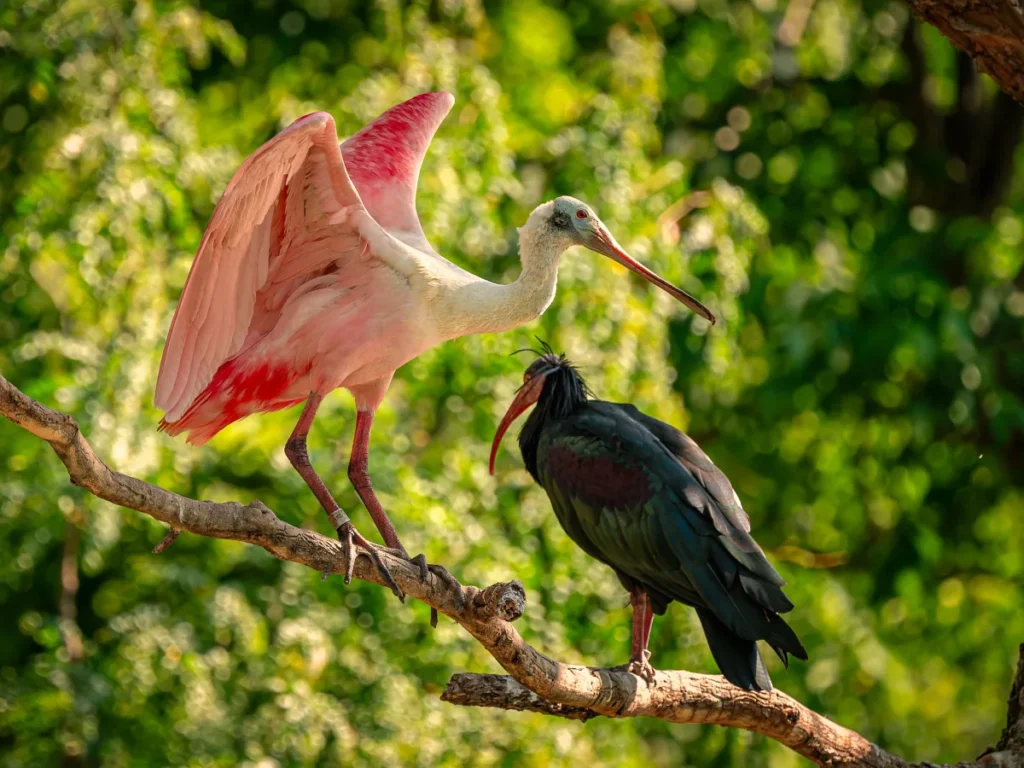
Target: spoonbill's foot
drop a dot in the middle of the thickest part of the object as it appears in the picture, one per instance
(642, 667)
(351, 538)
(442, 573)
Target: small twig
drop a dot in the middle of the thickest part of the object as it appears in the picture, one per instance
(69, 582)
(807, 559)
(668, 220)
(791, 30)
(170, 538)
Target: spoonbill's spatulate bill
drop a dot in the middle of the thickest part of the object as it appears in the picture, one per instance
(642, 497)
(314, 274)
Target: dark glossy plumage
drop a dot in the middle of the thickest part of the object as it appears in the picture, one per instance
(642, 497)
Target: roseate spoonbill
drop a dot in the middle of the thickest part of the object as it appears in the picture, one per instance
(642, 497)
(314, 274)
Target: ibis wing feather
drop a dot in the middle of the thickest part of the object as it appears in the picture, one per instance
(570, 513)
(712, 493)
(690, 455)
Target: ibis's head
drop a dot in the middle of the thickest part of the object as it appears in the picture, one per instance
(576, 221)
(554, 383)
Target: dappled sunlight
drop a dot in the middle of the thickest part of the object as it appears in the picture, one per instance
(860, 388)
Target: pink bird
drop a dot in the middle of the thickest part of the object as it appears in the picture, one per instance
(314, 274)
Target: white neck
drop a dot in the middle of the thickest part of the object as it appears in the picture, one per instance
(480, 306)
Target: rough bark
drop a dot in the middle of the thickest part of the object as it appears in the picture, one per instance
(535, 682)
(990, 31)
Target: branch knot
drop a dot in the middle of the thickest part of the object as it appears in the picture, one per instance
(505, 600)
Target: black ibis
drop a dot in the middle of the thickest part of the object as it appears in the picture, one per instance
(642, 497)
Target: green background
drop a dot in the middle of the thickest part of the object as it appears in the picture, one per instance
(858, 221)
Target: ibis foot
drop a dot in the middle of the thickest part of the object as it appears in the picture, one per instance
(442, 573)
(642, 667)
(350, 538)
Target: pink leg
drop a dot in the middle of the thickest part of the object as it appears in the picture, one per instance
(297, 453)
(359, 475)
(295, 450)
(643, 619)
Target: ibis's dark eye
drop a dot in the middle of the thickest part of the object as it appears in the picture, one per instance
(581, 214)
(560, 219)
(526, 377)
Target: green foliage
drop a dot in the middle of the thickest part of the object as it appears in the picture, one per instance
(859, 240)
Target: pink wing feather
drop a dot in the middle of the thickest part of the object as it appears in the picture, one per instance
(271, 232)
(384, 161)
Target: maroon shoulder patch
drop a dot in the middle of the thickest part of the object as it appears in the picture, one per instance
(600, 481)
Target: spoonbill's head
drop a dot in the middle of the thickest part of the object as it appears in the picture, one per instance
(573, 220)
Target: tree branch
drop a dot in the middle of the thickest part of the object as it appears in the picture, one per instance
(991, 31)
(503, 692)
(536, 683)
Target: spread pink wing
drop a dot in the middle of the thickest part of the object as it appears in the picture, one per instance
(384, 160)
(295, 179)
(277, 227)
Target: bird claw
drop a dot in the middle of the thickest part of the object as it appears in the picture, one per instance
(442, 573)
(349, 538)
(642, 668)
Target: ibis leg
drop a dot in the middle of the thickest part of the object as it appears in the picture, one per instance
(643, 619)
(298, 455)
(648, 624)
(359, 475)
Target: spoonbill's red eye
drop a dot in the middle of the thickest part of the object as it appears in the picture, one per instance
(581, 214)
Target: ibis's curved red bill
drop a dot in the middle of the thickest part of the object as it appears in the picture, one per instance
(528, 394)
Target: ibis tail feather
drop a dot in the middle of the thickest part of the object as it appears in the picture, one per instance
(739, 659)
